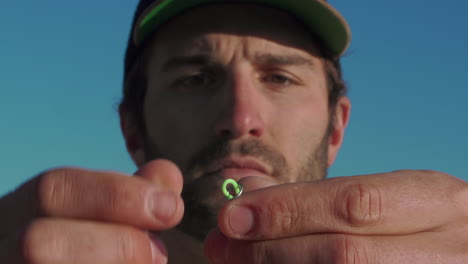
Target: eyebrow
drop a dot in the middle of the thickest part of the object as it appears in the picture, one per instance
(262, 59)
(283, 60)
(182, 61)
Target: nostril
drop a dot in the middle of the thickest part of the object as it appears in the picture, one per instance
(230, 128)
(255, 132)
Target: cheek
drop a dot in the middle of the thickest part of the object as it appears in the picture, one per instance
(300, 131)
(176, 130)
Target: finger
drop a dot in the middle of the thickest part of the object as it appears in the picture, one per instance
(91, 195)
(252, 183)
(49, 241)
(401, 202)
(163, 173)
(421, 248)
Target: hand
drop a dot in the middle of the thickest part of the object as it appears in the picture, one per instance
(71, 215)
(415, 217)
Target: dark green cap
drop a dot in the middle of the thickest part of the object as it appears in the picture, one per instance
(320, 17)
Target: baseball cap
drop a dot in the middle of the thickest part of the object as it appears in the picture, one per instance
(327, 24)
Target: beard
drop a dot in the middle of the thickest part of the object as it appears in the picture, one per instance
(202, 192)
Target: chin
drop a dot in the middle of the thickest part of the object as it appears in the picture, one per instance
(203, 199)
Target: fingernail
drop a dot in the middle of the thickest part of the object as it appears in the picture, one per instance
(164, 205)
(241, 220)
(158, 250)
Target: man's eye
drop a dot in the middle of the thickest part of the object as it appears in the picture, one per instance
(199, 80)
(278, 79)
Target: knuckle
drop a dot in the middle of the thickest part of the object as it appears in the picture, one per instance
(128, 243)
(349, 250)
(283, 215)
(114, 197)
(54, 187)
(360, 204)
(123, 199)
(41, 242)
(118, 196)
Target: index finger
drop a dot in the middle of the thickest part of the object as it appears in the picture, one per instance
(92, 195)
(400, 202)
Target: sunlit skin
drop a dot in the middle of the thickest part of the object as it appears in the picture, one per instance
(235, 92)
(244, 86)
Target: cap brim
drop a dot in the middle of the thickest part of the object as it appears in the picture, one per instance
(320, 17)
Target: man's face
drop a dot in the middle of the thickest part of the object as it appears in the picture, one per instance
(235, 91)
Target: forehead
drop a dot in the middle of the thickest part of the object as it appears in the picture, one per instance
(201, 28)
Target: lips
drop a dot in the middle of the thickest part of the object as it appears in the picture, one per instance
(237, 169)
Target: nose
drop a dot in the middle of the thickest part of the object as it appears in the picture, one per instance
(241, 109)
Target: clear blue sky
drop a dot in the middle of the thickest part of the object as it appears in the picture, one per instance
(61, 74)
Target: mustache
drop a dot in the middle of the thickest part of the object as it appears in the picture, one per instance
(202, 196)
(213, 155)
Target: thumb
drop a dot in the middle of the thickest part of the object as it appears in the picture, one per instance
(162, 172)
(252, 183)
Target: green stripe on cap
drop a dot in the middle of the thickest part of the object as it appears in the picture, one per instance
(321, 18)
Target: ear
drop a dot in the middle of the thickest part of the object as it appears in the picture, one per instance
(132, 135)
(342, 112)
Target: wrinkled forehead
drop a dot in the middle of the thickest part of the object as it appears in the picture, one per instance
(191, 29)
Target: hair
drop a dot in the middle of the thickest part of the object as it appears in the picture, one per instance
(135, 85)
(134, 90)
